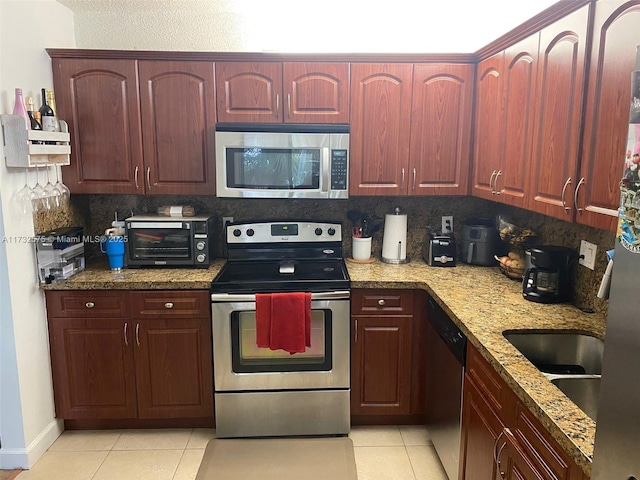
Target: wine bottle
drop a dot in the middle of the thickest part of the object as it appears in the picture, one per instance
(35, 124)
(51, 101)
(47, 115)
(18, 108)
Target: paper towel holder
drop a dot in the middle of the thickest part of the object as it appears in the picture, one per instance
(394, 243)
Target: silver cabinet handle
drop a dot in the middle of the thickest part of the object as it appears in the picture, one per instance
(575, 195)
(402, 184)
(495, 185)
(126, 341)
(493, 174)
(135, 177)
(148, 178)
(89, 304)
(289, 104)
(356, 331)
(498, 461)
(381, 302)
(168, 305)
(495, 447)
(564, 190)
(138, 334)
(277, 103)
(414, 179)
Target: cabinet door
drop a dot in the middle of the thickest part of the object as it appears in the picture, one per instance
(381, 365)
(178, 120)
(93, 368)
(249, 92)
(488, 122)
(174, 370)
(480, 432)
(613, 52)
(380, 129)
(441, 129)
(316, 92)
(516, 465)
(99, 101)
(561, 70)
(520, 62)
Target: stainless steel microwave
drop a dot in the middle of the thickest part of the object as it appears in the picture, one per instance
(282, 160)
(169, 241)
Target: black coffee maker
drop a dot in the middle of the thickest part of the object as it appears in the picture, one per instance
(547, 278)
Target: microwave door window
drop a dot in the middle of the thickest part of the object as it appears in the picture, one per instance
(160, 244)
(273, 168)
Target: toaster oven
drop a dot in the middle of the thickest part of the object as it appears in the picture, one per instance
(169, 241)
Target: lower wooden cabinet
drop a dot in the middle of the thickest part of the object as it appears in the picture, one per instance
(501, 439)
(387, 353)
(112, 363)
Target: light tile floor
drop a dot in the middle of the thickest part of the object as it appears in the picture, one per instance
(382, 453)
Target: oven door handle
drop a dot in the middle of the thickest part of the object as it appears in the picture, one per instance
(231, 297)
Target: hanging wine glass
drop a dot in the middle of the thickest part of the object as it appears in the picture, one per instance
(53, 194)
(39, 199)
(65, 193)
(23, 196)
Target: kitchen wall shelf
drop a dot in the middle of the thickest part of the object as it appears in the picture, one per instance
(21, 152)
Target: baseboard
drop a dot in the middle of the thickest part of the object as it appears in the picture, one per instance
(25, 458)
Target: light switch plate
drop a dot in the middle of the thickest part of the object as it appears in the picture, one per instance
(587, 254)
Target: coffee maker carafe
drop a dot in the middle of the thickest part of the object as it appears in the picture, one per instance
(547, 278)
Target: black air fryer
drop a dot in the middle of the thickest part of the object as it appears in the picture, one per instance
(547, 278)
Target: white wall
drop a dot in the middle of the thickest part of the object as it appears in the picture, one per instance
(331, 26)
(27, 423)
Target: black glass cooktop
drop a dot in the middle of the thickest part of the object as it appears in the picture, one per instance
(254, 276)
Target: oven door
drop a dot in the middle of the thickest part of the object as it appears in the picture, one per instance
(240, 365)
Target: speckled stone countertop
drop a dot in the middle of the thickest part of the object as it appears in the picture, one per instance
(482, 301)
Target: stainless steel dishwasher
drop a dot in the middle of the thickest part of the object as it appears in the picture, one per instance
(446, 352)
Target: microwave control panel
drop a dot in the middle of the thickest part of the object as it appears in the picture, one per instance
(339, 169)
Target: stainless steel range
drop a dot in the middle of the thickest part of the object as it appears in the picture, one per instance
(265, 392)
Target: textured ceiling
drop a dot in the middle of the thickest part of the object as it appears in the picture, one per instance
(411, 26)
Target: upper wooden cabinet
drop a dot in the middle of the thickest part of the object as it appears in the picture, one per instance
(604, 142)
(99, 101)
(556, 133)
(410, 129)
(290, 92)
(155, 139)
(504, 122)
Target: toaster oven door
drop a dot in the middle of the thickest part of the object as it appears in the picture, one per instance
(159, 243)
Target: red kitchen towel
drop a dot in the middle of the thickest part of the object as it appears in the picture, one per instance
(283, 321)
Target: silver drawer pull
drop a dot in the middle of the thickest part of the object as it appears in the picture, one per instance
(381, 302)
(89, 304)
(168, 305)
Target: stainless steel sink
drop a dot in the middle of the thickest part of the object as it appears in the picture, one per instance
(571, 361)
(560, 353)
(583, 392)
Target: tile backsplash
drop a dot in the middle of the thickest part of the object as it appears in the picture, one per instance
(423, 213)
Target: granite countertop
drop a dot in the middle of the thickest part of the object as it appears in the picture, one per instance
(480, 300)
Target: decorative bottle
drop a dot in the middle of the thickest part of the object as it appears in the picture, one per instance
(47, 115)
(18, 108)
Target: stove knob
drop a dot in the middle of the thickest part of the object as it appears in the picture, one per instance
(201, 258)
(331, 231)
(443, 259)
(318, 231)
(250, 232)
(200, 246)
(237, 232)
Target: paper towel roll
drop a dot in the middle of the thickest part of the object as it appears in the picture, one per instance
(394, 242)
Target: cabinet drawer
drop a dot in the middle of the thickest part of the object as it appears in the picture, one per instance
(381, 301)
(171, 303)
(88, 303)
(489, 383)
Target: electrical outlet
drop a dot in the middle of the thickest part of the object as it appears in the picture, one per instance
(226, 220)
(587, 254)
(447, 224)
